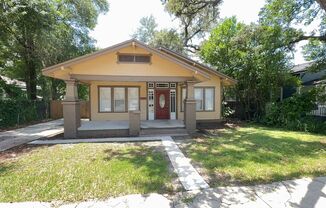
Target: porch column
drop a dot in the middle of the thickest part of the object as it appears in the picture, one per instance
(71, 110)
(190, 107)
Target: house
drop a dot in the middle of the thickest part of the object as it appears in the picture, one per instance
(308, 80)
(134, 87)
(16, 83)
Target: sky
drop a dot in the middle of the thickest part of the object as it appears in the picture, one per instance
(123, 18)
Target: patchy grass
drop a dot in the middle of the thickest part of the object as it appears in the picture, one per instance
(83, 171)
(254, 154)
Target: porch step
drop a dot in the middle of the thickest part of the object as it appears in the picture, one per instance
(163, 132)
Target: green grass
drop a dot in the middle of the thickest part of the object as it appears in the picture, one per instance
(254, 154)
(83, 171)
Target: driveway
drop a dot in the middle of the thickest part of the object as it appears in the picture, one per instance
(12, 138)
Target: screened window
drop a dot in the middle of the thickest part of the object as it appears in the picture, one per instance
(119, 99)
(134, 58)
(209, 99)
(133, 98)
(105, 99)
(204, 98)
(199, 96)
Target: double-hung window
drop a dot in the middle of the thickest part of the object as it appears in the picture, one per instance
(105, 99)
(118, 99)
(133, 98)
(204, 97)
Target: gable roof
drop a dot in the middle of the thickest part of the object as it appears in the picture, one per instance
(165, 53)
(196, 63)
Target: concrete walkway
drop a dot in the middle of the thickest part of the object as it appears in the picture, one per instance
(188, 175)
(300, 193)
(12, 138)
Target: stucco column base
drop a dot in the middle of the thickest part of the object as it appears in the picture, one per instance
(134, 123)
(190, 115)
(71, 115)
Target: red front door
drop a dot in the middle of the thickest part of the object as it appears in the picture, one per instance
(162, 100)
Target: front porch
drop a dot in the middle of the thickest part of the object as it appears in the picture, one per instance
(121, 128)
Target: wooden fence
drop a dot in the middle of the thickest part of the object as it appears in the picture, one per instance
(56, 110)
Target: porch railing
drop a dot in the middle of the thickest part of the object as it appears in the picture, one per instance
(320, 111)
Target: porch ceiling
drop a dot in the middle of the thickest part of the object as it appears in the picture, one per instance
(113, 78)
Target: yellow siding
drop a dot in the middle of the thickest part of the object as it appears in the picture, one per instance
(216, 114)
(107, 64)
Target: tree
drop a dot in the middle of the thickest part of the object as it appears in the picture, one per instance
(196, 18)
(145, 32)
(252, 54)
(31, 30)
(288, 14)
(167, 38)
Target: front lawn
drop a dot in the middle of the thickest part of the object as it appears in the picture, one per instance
(255, 154)
(83, 171)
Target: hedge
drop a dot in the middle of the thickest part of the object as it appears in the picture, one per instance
(17, 112)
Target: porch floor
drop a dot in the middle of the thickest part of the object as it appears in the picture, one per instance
(111, 125)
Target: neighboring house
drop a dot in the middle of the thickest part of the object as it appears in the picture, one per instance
(19, 84)
(308, 80)
(142, 85)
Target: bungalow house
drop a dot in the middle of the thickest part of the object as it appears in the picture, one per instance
(134, 87)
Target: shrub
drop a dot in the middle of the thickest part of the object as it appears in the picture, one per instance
(16, 112)
(292, 113)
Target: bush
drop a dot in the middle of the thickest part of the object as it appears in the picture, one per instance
(16, 112)
(292, 113)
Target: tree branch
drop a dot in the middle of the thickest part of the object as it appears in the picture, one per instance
(308, 37)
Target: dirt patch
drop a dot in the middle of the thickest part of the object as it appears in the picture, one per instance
(18, 151)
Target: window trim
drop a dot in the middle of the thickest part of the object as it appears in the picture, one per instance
(112, 98)
(134, 54)
(204, 100)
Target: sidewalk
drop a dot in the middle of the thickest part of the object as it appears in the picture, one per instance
(12, 138)
(303, 193)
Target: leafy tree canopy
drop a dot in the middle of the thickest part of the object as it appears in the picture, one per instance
(38, 33)
(168, 38)
(196, 18)
(255, 56)
(289, 15)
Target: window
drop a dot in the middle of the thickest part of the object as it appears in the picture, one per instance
(173, 85)
(133, 98)
(150, 85)
(204, 98)
(199, 96)
(183, 94)
(162, 85)
(105, 99)
(117, 99)
(209, 99)
(134, 58)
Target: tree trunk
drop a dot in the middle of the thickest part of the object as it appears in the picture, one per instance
(30, 74)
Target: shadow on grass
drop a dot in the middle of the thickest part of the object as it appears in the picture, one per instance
(235, 149)
(152, 163)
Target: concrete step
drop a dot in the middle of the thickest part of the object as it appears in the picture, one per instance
(163, 132)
